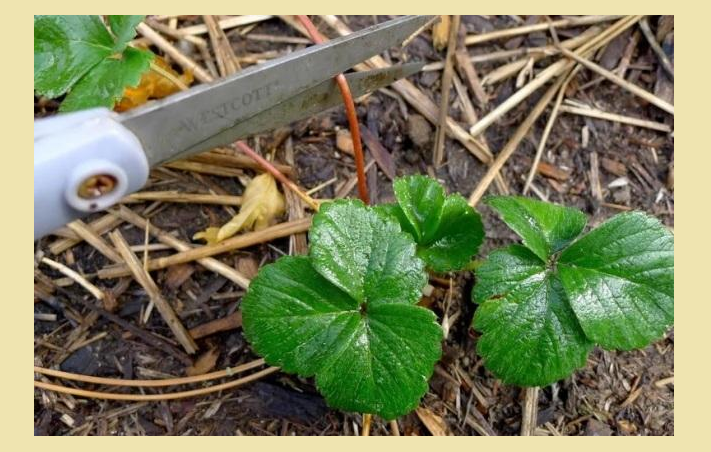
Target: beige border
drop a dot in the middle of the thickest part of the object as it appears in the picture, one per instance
(693, 169)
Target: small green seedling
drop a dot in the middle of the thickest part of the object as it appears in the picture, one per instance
(448, 232)
(347, 313)
(81, 56)
(544, 305)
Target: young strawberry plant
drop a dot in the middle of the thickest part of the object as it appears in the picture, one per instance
(347, 313)
(81, 56)
(448, 231)
(543, 305)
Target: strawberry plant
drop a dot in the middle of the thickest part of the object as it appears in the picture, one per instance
(81, 56)
(447, 230)
(543, 305)
(347, 313)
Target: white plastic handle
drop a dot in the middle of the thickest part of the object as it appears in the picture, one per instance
(74, 151)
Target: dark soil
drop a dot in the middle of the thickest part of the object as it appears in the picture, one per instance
(617, 393)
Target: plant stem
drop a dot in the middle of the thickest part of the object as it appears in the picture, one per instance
(529, 417)
(317, 38)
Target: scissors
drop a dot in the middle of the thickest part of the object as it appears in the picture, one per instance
(89, 160)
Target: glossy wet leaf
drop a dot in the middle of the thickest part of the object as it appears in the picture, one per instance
(365, 254)
(458, 237)
(447, 230)
(421, 199)
(530, 334)
(346, 314)
(620, 281)
(545, 228)
(78, 54)
(540, 315)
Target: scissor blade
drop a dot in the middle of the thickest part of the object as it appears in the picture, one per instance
(169, 127)
(310, 102)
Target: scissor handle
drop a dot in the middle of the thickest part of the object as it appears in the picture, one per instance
(84, 162)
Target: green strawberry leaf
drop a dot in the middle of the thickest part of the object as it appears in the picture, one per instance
(396, 212)
(447, 230)
(620, 281)
(545, 228)
(66, 48)
(458, 237)
(107, 80)
(346, 314)
(79, 55)
(421, 199)
(530, 335)
(365, 254)
(540, 314)
(123, 29)
(288, 312)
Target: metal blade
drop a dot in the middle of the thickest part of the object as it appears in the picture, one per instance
(168, 127)
(310, 102)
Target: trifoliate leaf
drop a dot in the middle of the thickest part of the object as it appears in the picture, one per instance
(540, 315)
(261, 204)
(620, 281)
(545, 228)
(531, 336)
(79, 55)
(347, 315)
(447, 230)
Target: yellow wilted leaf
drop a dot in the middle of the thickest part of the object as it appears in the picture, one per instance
(152, 86)
(209, 235)
(261, 203)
